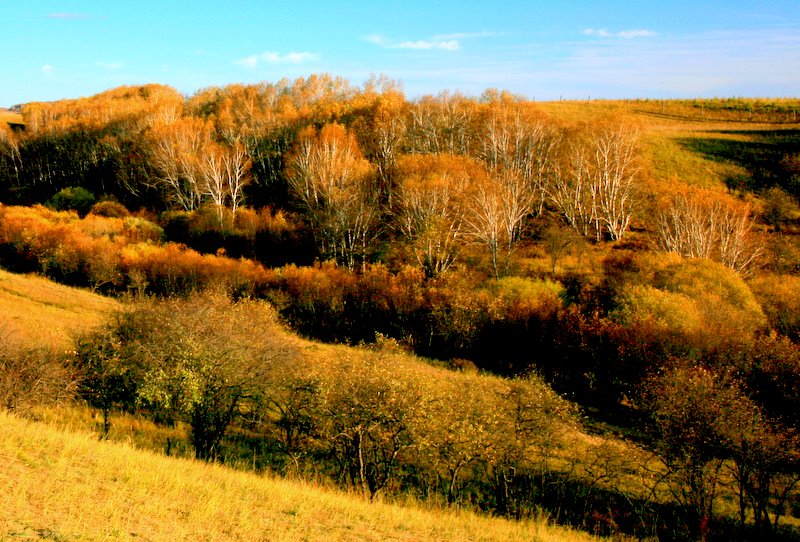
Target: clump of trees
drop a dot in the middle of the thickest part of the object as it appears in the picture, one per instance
(374, 420)
(342, 158)
(708, 430)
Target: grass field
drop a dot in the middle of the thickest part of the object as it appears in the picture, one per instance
(57, 482)
(42, 313)
(11, 117)
(64, 486)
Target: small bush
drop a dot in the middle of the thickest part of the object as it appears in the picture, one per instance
(109, 209)
(31, 377)
(73, 198)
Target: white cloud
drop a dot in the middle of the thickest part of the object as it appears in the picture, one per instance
(466, 35)
(426, 45)
(47, 68)
(248, 62)
(271, 57)
(439, 42)
(65, 15)
(627, 34)
(623, 34)
(376, 39)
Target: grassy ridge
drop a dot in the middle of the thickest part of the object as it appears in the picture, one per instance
(60, 486)
(11, 117)
(42, 313)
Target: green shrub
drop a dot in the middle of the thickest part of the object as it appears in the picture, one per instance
(73, 198)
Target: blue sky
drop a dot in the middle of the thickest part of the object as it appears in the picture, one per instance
(543, 50)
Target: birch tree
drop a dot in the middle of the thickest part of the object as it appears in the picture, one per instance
(332, 182)
(177, 152)
(432, 206)
(594, 185)
(703, 225)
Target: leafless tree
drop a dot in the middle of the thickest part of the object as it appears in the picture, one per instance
(706, 226)
(331, 181)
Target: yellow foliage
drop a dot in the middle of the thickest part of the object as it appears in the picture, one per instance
(694, 296)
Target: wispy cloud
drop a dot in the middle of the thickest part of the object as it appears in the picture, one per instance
(47, 68)
(467, 35)
(426, 45)
(66, 15)
(623, 34)
(271, 57)
(419, 45)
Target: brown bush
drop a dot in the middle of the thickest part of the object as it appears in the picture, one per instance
(31, 377)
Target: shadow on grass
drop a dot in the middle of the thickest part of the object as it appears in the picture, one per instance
(762, 155)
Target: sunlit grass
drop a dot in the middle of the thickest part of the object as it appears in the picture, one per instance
(11, 117)
(42, 313)
(68, 486)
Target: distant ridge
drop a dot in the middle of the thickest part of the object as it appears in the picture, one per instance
(12, 118)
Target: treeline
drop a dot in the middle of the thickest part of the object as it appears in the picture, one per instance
(373, 420)
(362, 174)
(635, 308)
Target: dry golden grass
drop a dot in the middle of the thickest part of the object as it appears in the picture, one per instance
(61, 486)
(40, 312)
(11, 117)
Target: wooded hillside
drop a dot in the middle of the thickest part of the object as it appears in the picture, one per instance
(634, 265)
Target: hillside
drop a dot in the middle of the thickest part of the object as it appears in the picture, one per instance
(11, 117)
(67, 486)
(610, 289)
(45, 313)
(57, 482)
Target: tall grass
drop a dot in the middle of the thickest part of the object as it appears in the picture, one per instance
(60, 486)
(42, 313)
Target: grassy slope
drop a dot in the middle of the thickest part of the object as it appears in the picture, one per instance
(38, 311)
(674, 141)
(11, 116)
(67, 486)
(58, 484)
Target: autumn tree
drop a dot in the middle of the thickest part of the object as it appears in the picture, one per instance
(433, 201)
(177, 151)
(594, 184)
(202, 360)
(766, 465)
(441, 124)
(366, 416)
(225, 171)
(688, 406)
(260, 118)
(705, 225)
(702, 417)
(520, 145)
(333, 184)
(9, 148)
(381, 130)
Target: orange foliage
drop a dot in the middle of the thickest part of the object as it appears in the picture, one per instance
(117, 253)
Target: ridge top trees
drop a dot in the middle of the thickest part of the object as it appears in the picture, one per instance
(333, 184)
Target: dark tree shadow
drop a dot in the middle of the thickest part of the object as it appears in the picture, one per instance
(762, 156)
